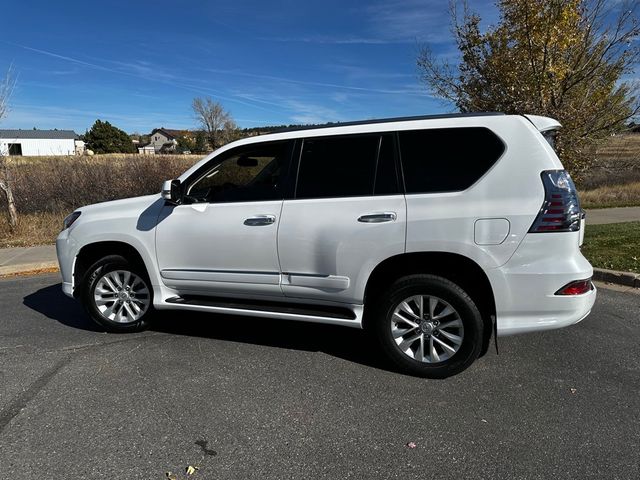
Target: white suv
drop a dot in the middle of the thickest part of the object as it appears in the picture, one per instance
(431, 232)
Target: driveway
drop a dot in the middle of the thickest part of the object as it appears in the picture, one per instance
(252, 398)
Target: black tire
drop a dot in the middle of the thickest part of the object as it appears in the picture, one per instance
(95, 273)
(428, 285)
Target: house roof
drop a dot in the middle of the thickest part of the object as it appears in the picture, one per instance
(40, 134)
(168, 132)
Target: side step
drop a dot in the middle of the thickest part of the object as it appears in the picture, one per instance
(287, 311)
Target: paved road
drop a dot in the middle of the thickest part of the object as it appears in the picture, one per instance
(613, 215)
(242, 398)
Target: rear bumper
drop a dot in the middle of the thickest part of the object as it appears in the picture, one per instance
(524, 288)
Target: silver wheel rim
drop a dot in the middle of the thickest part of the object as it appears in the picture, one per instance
(427, 329)
(121, 296)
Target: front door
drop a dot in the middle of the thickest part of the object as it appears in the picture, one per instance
(223, 239)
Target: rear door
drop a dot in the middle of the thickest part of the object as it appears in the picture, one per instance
(348, 214)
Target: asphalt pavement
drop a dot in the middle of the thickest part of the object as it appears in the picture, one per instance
(253, 398)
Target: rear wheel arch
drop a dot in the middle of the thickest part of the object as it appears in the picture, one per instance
(459, 269)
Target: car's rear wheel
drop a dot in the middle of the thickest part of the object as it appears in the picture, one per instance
(117, 295)
(428, 326)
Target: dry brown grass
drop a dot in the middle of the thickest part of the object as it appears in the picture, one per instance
(623, 148)
(618, 162)
(46, 189)
(625, 195)
(33, 229)
(106, 158)
(61, 184)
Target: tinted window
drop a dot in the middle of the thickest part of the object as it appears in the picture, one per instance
(447, 159)
(246, 174)
(386, 173)
(342, 166)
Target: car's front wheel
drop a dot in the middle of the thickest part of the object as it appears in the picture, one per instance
(117, 295)
(428, 326)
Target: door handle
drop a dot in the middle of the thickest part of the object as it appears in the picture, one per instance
(259, 220)
(378, 217)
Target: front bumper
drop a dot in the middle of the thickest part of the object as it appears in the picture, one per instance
(66, 250)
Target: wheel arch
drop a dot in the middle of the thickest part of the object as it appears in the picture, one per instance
(92, 252)
(457, 268)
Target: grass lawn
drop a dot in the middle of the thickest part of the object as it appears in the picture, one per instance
(615, 246)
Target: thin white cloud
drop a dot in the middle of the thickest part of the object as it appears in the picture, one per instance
(402, 91)
(145, 73)
(417, 20)
(28, 115)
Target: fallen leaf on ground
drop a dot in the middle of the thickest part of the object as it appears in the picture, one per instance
(171, 476)
(483, 420)
(191, 470)
(411, 445)
(574, 390)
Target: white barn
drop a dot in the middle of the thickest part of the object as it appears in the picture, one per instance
(37, 142)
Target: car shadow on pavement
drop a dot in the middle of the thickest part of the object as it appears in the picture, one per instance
(343, 342)
(52, 303)
(347, 343)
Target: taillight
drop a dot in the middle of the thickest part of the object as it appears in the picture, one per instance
(576, 288)
(560, 211)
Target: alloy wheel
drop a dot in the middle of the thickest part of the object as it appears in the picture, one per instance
(427, 329)
(121, 296)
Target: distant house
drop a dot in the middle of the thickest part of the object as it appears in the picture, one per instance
(163, 140)
(38, 142)
(146, 150)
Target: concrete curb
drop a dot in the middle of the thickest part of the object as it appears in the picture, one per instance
(27, 268)
(626, 279)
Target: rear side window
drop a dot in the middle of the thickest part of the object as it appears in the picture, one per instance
(343, 166)
(447, 159)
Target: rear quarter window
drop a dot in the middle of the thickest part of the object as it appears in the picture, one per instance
(447, 159)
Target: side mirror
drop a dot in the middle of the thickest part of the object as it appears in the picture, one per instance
(171, 191)
(245, 161)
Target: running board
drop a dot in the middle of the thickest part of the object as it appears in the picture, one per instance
(351, 316)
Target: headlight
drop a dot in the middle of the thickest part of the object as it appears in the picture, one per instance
(67, 222)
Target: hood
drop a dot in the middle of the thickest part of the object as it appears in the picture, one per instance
(129, 205)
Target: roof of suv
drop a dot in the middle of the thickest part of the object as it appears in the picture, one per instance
(386, 120)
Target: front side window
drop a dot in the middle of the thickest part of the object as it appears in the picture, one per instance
(343, 166)
(245, 174)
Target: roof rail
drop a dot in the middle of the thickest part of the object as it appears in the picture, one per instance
(386, 120)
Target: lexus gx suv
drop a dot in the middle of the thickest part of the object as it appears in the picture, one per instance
(433, 233)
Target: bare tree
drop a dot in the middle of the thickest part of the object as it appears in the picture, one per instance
(6, 89)
(214, 119)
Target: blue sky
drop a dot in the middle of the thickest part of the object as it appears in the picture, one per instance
(139, 64)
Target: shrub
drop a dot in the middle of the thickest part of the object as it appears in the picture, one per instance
(61, 184)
